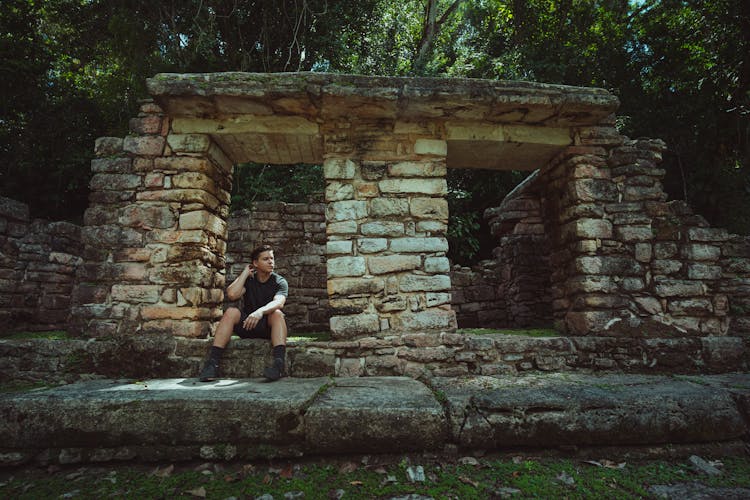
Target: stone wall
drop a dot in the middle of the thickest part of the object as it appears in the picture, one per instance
(620, 258)
(38, 262)
(154, 235)
(297, 231)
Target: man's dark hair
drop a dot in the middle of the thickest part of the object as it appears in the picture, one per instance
(259, 250)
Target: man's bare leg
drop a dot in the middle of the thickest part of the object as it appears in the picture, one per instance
(221, 338)
(278, 340)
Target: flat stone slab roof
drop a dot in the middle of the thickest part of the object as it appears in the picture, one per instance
(181, 419)
(281, 117)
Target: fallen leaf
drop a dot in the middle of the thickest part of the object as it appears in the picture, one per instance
(516, 473)
(230, 478)
(356, 483)
(347, 468)
(267, 479)
(165, 472)
(609, 464)
(593, 462)
(198, 492)
(286, 472)
(466, 480)
(468, 461)
(380, 470)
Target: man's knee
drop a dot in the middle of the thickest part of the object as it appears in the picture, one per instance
(232, 315)
(276, 317)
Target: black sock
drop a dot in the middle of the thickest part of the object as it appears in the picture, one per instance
(279, 352)
(216, 353)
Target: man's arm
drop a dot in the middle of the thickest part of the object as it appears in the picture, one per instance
(253, 318)
(237, 288)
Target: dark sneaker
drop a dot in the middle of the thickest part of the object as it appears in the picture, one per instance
(275, 371)
(210, 371)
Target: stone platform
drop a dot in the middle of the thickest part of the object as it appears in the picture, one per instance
(415, 355)
(239, 419)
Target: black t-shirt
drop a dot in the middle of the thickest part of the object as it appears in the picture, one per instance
(258, 294)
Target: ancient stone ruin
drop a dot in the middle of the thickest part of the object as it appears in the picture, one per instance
(622, 260)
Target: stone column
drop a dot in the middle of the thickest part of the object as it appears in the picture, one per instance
(155, 233)
(386, 221)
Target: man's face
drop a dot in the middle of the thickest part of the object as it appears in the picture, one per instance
(264, 262)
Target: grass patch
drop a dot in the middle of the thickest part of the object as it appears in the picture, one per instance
(21, 386)
(522, 332)
(379, 478)
(311, 337)
(50, 335)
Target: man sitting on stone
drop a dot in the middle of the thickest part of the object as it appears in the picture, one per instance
(264, 293)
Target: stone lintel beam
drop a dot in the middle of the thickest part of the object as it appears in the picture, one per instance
(323, 95)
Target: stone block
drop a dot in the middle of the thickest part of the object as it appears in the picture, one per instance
(629, 234)
(703, 271)
(147, 215)
(593, 190)
(414, 186)
(393, 263)
(146, 125)
(387, 207)
(351, 286)
(115, 182)
(108, 146)
(690, 307)
(136, 294)
(643, 252)
(391, 303)
(383, 228)
(367, 190)
(189, 143)
(434, 147)
(415, 283)
(195, 180)
(434, 299)
(429, 208)
(338, 267)
(417, 169)
(589, 229)
(344, 227)
(354, 325)
(666, 267)
(339, 168)
(432, 227)
(338, 247)
(436, 265)
(346, 210)
(372, 245)
(708, 234)
(607, 265)
(700, 251)
(338, 191)
(414, 245)
(112, 165)
(201, 219)
(678, 288)
(147, 145)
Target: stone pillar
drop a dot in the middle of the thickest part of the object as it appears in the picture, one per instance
(386, 221)
(155, 233)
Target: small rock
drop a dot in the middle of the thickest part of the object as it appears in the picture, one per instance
(506, 492)
(265, 496)
(70, 494)
(566, 478)
(701, 465)
(468, 461)
(336, 494)
(291, 495)
(415, 474)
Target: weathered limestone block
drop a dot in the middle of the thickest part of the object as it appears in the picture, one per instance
(631, 234)
(112, 165)
(353, 325)
(431, 319)
(703, 271)
(372, 245)
(593, 190)
(338, 247)
(108, 146)
(436, 265)
(339, 168)
(386, 207)
(429, 208)
(414, 186)
(678, 288)
(588, 229)
(434, 147)
(189, 143)
(608, 265)
(337, 191)
(149, 145)
(393, 263)
(383, 228)
(699, 251)
(417, 169)
(349, 286)
(415, 245)
(202, 219)
(415, 283)
(690, 307)
(115, 182)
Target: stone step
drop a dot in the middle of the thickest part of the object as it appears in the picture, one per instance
(182, 419)
(410, 354)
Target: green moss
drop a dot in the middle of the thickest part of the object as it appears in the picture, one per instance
(311, 337)
(523, 332)
(21, 386)
(51, 335)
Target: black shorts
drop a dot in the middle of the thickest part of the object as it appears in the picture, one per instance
(261, 330)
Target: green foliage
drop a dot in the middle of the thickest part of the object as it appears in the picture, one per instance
(521, 332)
(290, 183)
(50, 335)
